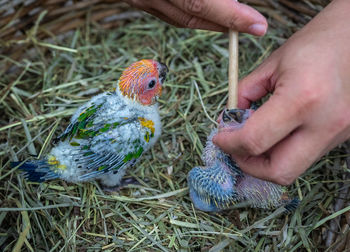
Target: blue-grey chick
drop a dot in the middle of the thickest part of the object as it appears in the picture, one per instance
(221, 183)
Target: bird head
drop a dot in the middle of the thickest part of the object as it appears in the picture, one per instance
(233, 119)
(142, 81)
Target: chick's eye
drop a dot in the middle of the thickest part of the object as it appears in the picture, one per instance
(151, 84)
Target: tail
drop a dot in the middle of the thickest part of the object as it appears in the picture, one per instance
(37, 170)
(292, 205)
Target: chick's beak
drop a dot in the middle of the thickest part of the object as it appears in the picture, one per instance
(163, 70)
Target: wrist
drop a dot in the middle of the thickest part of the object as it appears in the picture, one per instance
(333, 22)
(327, 35)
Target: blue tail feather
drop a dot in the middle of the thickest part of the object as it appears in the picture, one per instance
(292, 205)
(36, 171)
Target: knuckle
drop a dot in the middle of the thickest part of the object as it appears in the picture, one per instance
(190, 22)
(284, 181)
(196, 6)
(281, 175)
(233, 22)
(309, 100)
(313, 96)
(252, 145)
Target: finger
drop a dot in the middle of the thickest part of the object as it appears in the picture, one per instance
(163, 17)
(272, 122)
(256, 85)
(287, 160)
(179, 18)
(227, 13)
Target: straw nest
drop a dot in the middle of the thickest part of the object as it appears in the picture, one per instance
(56, 54)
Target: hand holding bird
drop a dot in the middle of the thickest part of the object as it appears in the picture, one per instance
(221, 183)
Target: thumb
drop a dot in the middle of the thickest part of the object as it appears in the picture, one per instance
(248, 20)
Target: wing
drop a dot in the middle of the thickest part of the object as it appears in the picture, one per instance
(212, 187)
(116, 145)
(105, 141)
(82, 121)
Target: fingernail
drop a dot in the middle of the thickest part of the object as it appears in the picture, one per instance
(257, 29)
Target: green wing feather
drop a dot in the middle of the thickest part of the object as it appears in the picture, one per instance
(81, 127)
(107, 161)
(111, 156)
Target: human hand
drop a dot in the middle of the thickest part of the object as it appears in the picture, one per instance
(308, 113)
(205, 14)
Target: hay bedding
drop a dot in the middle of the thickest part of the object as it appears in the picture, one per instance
(56, 54)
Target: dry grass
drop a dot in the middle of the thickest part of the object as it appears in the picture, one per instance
(41, 91)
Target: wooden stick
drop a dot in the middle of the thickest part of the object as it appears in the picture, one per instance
(233, 70)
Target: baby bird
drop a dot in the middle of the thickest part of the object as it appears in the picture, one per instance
(221, 183)
(109, 133)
